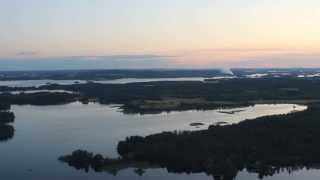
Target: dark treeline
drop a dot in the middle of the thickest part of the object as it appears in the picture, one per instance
(266, 146)
(105, 74)
(145, 73)
(223, 90)
(41, 98)
(155, 97)
(170, 96)
(6, 118)
(5, 107)
(7, 89)
(228, 93)
(141, 107)
(84, 160)
(6, 132)
(5, 115)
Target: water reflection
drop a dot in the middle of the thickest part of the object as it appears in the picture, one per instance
(85, 161)
(143, 168)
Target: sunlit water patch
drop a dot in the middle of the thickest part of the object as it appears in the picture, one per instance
(36, 91)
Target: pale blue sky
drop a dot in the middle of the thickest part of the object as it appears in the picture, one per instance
(195, 32)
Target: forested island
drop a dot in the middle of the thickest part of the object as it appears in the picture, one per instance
(5, 115)
(266, 145)
(6, 118)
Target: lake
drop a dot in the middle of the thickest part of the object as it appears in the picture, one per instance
(43, 133)
(37, 83)
(37, 91)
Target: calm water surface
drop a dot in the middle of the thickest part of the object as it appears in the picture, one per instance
(37, 83)
(43, 133)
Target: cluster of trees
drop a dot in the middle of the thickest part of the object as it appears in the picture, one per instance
(223, 90)
(105, 74)
(84, 160)
(6, 117)
(6, 132)
(41, 98)
(5, 107)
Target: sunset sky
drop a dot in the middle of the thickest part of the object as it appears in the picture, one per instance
(71, 34)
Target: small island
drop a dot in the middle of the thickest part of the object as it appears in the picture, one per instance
(196, 124)
(6, 118)
(5, 115)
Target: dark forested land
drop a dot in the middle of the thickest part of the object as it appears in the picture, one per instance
(5, 115)
(153, 97)
(41, 98)
(265, 145)
(168, 96)
(6, 118)
(107, 74)
(6, 132)
(5, 107)
(148, 73)
(219, 90)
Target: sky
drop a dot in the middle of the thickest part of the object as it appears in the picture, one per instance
(106, 34)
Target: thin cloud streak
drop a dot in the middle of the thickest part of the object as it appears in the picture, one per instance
(119, 57)
(27, 53)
